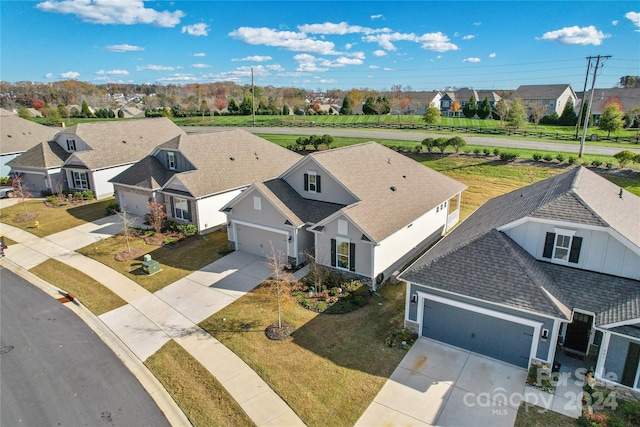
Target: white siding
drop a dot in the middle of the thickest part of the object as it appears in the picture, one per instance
(406, 239)
(208, 213)
(100, 179)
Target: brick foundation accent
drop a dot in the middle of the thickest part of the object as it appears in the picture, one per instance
(231, 245)
(622, 393)
(351, 276)
(412, 326)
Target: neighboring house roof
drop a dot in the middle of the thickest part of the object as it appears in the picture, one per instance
(223, 161)
(18, 135)
(369, 171)
(132, 112)
(148, 173)
(628, 97)
(484, 257)
(122, 141)
(526, 92)
(45, 155)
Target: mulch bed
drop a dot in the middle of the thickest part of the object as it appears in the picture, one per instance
(278, 334)
(129, 255)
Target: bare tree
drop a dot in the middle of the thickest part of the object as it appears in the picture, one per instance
(21, 189)
(276, 261)
(317, 272)
(157, 214)
(536, 111)
(127, 223)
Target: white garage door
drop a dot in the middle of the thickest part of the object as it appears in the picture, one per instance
(259, 242)
(134, 204)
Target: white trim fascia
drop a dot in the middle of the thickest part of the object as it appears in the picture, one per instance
(240, 196)
(608, 331)
(235, 223)
(343, 213)
(29, 172)
(135, 187)
(537, 326)
(621, 323)
(555, 333)
(546, 316)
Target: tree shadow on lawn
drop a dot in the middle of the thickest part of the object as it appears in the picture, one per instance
(90, 211)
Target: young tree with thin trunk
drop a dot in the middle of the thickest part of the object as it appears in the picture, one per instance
(21, 190)
(536, 111)
(157, 214)
(282, 279)
(516, 114)
(611, 119)
(501, 109)
(431, 115)
(127, 222)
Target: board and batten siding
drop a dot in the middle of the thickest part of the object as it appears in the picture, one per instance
(600, 252)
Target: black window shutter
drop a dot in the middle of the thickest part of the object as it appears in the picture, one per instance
(306, 182)
(173, 209)
(317, 183)
(548, 245)
(333, 251)
(352, 256)
(576, 244)
(188, 211)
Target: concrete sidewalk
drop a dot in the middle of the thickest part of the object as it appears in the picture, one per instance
(149, 320)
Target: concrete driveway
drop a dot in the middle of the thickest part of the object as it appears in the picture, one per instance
(440, 385)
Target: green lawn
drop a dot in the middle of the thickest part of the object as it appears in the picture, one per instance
(52, 219)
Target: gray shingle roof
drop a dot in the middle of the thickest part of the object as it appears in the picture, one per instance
(18, 135)
(539, 91)
(148, 173)
(107, 140)
(296, 208)
(43, 156)
(478, 261)
(227, 160)
(369, 170)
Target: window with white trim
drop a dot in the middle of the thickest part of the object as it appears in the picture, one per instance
(342, 254)
(257, 203)
(562, 246)
(171, 160)
(71, 145)
(312, 182)
(181, 209)
(80, 180)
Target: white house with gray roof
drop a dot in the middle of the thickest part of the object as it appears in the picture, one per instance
(552, 267)
(194, 176)
(363, 210)
(554, 97)
(86, 156)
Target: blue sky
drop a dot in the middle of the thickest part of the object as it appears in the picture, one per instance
(323, 44)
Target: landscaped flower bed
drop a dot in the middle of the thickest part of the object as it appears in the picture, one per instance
(337, 296)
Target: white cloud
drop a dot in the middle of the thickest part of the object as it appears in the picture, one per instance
(290, 40)
(576, 35)
(387, 69)
(178, 77)
(154, 68)
(196, 30)
(254, 58)
(378, 16)
(340, 28)
(70, 75)
(615, 22)
(113, 72)
(200, 54)
(327, 80)
(348, 46)
(48, 76)
(436, 42)
(492, 55)
(471, 60)
(123, 48)
(477, 24)
(633, 17)
(359, 55)
(307, 63)
(468, 37)
(125, 12)
(379, 52)
(374, 67)
(239, 73)
(200, 66)
(275, 67)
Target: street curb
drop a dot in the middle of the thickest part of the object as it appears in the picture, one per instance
(149, 382)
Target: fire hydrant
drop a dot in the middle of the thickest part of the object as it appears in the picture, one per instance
(37, 224)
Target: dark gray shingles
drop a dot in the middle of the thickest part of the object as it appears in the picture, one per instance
(147, 173)
(42, 156)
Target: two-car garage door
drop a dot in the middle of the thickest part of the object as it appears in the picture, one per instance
(134, 204)
(481, 333)
(259, 241)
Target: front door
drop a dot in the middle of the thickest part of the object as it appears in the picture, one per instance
(577, 336)
(631, 365)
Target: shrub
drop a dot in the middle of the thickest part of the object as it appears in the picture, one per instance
(609, 165)
(630, 412)
(417, 149)
(306, 303)
(322, 306)
(169, 240)
(169, 225)
(88, 195)
(571, 160)
(360, 300)
(187, 229)
(334, 292)
(560, 158)
(486, 151)
(112, 208)
(352, 286)
(476, 151)
(536, 157)
(496, 151)
(508, 157)
(467, 151)
(547, 158)
(596, 163)
(624, 157)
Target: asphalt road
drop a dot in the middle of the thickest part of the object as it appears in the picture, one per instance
(56, 372)
(564, 146)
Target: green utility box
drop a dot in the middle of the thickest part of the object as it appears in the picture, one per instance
(150, 266)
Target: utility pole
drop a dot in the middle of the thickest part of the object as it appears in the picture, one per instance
(593, 83)
(253, 99)
(584, 93)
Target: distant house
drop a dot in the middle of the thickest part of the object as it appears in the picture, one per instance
(629, 98)
(420, 101)
(194, 176)
(86, 156)
(462, 96)
(363, 210)
(554, 97)
(551, 267)
(18, 135)
(130, 112)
